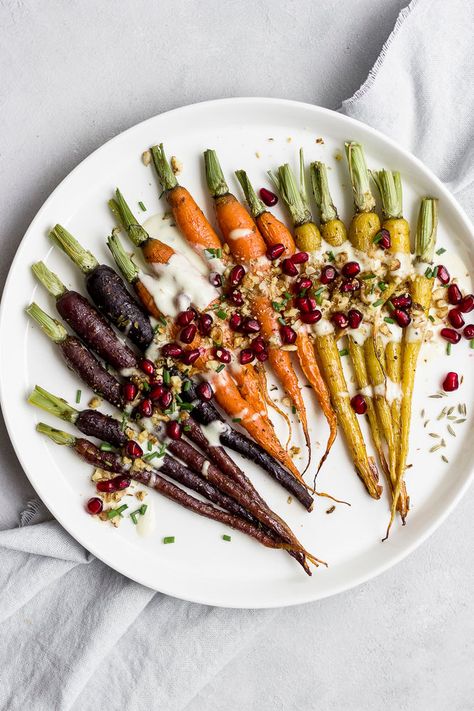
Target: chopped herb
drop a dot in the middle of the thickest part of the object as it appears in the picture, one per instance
(116, 512)
(287, 295)
(123, 423)
(378, 237)
(186, 385)
(441, 250)
(166, 377)
(236, 419)
(281, 321)
(319, 299)
(213, 253)
(78, 396)
(387, 319)
(146, 387)
(162, 320)
(169, 539)
(471, 343)
(368, 276)
(429, 273)
(382, 286)
(134, 515)
(293, 409)
(319, 291)
(150, 457)
(187, 428)
(220, 367)
(142, 206)
(431, 318)
(179, 400)
(186, 406)
(143, 509)
(221, 313)
(331, 256)
(278, 306)
(106, 447)
(225, 537)
(379, 302)
(344, 352)
(448, 349)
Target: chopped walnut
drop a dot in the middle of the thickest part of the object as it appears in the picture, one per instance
(176, 165)
(146, 157)
(95, 402)
(141, 495)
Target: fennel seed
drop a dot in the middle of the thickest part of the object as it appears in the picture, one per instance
(433, 434)
(435, 448)
(445, 459)
(451, 431)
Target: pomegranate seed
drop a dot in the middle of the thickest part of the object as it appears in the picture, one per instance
(313, 304)
(455, 318)
(442, 274)
(275, 251)
(94, 506)
(449, 335)
(204, 391)
(145, 408)
(258, 345)
(185, 317)
(383, 239)
(222, 354)
(106, 486)
(172, 350)
(289, 268)
(454, 294)
(403, 301)
(328, 274)
(352, 285)
(401, 317)
(354, 318)
(235, 322)
(236, 275)
(451, 382)
(351, 269)
(300, 257)
(246, 356)
(215, 279)
(129, 391)
(302, 303)
(312, 317)
(205, 324)
(133, 450)
(262, 356)
(174, 430)
(235, 297)
(188, 333)
(191, 356)
(340, 319)
(156, 392)
(121, 482)
(147, 366)
(288, 334)
(468, 332)
(303, 284)
(268, 197)
(251, 325)
(467, 304)
(165, 400)
(359, 404)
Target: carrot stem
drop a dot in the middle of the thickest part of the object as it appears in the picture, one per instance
(165, 175)
(53, 405)
(364, 201)
(81, 257)
(127, 219)
(128, 269)
(48, 279)
(214, 175)
(52, 328)
(58, 436)
(425, 239)
(389, 186)
(294, 197)
(255, 204)
(322, 195)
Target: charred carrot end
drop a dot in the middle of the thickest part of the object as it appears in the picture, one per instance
(127, 220)
(312, 373)
(229, 398)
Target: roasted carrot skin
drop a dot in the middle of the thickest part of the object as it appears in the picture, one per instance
(106, 428)
(79, 359)
(191, 220)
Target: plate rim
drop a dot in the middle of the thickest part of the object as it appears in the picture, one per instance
(313, 595)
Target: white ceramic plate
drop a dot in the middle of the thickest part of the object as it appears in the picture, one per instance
(201, 566)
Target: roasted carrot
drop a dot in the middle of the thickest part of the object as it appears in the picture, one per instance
(276, 232)
(247, 245)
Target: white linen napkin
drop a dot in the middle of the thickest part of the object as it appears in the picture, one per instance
(74, 634)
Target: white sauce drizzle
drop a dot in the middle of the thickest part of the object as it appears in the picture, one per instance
(323, 327)
(367, 391)
(240, 233)
(393, 391)
(213, 431)
(360, 335)
(205, 467)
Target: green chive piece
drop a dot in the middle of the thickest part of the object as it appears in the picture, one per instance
(387, 319)
(293, 409)
(378, 237)
(379, 302)
(78, 396)
(319, 291)
(448, 349)
(440, 251)
(431, 318)
(186, 385)
(169, 539)
(365, 277)
(222, 314)
(471, 343)
(143, 509)
(331, 256)
(134, 515)
(428, 273)
(343, 352)
(221, 367)
(382, 286)
(166, 377)
(163, 321)
(116, 512)
(142, 206)
(236, 419)
(106, 447)
(225, 537)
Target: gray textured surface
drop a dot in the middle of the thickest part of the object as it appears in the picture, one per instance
(77, 73)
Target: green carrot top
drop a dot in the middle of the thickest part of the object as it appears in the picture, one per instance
(295, 197)
(364, 201)
(426, 230)
(389, 186)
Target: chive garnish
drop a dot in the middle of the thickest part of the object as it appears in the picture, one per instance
(225, 537)
(331, 256)
(281, 321)
(293, 409)
(448, 349)
(142, 509)
(213, 253)
(186, 406)
(220, 367)
(366, 277)
(277, 305)
(186, 385)
(343, 352)
(428, 273)
(387, 319)
(163, 321)
(431, 318)
(379, 302)
(187, 428)
(123, 423)
(142, 206)
(134, 515)
(106, 447)
(319, 299)
(166, 377)
(116, 512)
(236, 419)
(168, 539)
(150, 457)
(222, 314)
(471, 343)
(378, 237)
(440, 251)
(78, 396)
(382, 286)
(319, 291)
